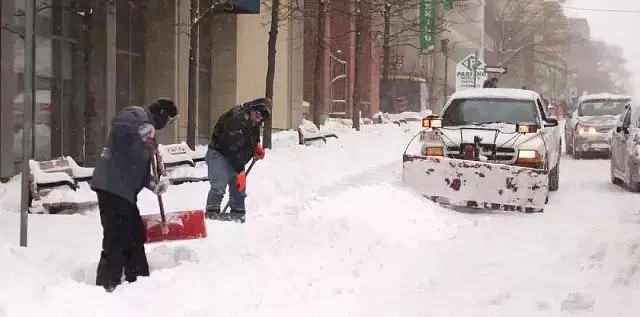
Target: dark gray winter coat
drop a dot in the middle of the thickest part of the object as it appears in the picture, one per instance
(123, 168)
(235, 136)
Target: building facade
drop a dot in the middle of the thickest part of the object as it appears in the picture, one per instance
(337, 74)
(94, 57)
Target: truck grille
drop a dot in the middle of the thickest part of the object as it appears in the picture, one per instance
(503, 155)
(603, 129)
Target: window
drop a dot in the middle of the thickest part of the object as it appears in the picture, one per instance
(130, 40)
(602, 107)
(541, 108)
(480, 111)
(626, 121)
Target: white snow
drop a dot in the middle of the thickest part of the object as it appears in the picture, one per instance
(604, 96)
(332, 231)
(507, 93)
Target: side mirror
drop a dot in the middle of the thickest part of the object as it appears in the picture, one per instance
(622, 129)
(551, 122)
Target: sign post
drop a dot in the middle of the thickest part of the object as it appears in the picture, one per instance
(27, 118)
(470, 72)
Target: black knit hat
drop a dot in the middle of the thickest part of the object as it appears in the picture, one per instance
(164, 106)
(262, 105)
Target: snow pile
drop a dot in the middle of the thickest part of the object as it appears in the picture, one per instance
(318, 239)
(291, 174)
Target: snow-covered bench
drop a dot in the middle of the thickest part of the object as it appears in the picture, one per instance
(183, 164)
(384, 118)
(60, 184)
(309, 132)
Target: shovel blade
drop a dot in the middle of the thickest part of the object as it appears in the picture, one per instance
(479, 184)
(179, 225)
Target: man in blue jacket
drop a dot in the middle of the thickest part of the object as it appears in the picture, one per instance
(121, 172)
(234, 141)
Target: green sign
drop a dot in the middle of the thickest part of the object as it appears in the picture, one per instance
(447, 4)
(426, 23)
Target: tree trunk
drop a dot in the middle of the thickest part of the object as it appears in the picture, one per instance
(318, 88)
(271, 68)
(360, 38)
(386, 61)
(192, 106)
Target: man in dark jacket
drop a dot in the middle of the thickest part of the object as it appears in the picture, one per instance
(121, 172)
(234, 141)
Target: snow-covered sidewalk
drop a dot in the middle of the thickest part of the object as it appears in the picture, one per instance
(323, 237)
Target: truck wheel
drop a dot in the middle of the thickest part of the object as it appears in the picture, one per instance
(575, 152)
(633, 184)
(554, 178)
(614, 179)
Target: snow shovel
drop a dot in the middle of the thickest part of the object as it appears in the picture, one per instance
(178, 225)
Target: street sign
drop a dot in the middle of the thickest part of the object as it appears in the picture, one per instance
(495, 70)
(426, 24)
(470, 73)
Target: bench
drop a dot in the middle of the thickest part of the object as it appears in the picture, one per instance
(309, 132)
(56, 185)
(181, 164)
(384, 118)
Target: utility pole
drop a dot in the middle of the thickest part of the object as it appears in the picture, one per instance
(445, 51)
(27, 123)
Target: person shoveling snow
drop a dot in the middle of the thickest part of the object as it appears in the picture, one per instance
(235, 140)
(121, 172)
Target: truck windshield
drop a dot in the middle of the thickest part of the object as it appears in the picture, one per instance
(602, 107)
(486, 110)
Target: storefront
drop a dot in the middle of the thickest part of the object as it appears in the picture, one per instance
(94, 57)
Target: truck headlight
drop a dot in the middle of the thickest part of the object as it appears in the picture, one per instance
(433, 151)
(529, 158)
(527, 154)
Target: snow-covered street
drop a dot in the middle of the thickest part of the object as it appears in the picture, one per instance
(332, 231)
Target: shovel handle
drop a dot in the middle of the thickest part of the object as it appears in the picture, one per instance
(253, 161)
(156, 174)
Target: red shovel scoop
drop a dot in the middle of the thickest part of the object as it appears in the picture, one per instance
(172, 226)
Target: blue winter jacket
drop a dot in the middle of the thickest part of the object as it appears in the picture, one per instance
(123, 168)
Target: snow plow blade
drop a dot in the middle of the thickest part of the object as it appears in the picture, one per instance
(181, 225)
(477, 184)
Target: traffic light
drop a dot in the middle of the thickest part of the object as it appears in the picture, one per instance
(241, 7)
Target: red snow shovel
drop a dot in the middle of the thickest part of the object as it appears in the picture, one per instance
(172, 226)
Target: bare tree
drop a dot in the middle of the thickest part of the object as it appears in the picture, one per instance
(528, 26)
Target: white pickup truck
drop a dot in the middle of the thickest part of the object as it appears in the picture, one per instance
(509, 130)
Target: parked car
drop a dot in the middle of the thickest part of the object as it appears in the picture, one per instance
(625, 149)
(588, 127)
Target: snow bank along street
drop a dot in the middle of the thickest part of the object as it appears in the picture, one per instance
(332, 231)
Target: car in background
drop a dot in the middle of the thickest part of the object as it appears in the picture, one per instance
(588, 128)
(625, 149)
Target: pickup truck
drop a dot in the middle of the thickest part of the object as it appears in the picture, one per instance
(491, 122)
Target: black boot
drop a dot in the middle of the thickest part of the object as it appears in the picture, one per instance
(238, 215)
(211, 213)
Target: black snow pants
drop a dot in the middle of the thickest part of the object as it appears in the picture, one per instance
(122, 242)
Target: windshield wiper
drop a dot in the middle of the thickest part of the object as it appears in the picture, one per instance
(486, 122)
